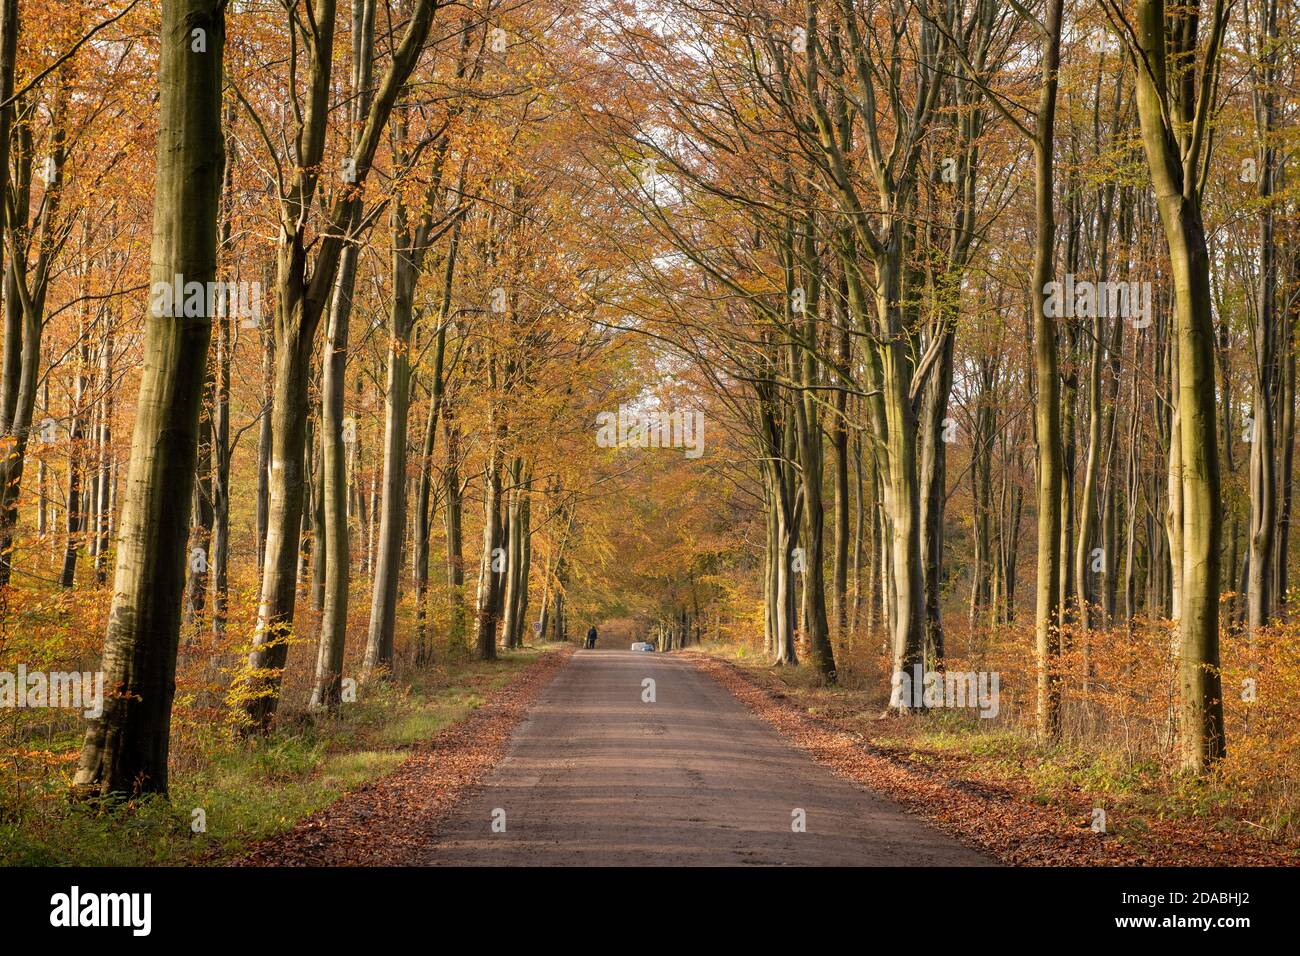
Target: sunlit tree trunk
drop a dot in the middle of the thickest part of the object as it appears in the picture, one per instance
(516, 584)
(264, 447)
(397, 406)
(1261, 599)
(1047, 414)
(1175, 156)
(304, 289)
(125, 750)
(327, 690)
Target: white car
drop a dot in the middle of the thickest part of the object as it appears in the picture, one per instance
(643, 646)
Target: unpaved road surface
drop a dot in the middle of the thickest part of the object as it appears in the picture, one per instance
(596, 776)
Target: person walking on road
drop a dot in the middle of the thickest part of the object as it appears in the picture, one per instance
(591, 637)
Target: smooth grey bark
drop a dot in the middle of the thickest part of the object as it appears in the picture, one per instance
(76, 509)
(263, 517)
(1260, 597)
(983, 435)
(327, 691)
(453, 493)
(103, 488)
(839, 430)
(517, 569)
(314, 534)
(1047, 413)
(11, 357)
(884, 240)
(303, 291)
(1086, 582)
(777, 440)
(491, 566)
(424, 488)
(220, 559)
(26, 285)
(809, 453)
(934, 493)
(200, 543)
(1286, 438)
(392, 506)
(125, 750)
(957, 241)
(1174, 110)
(411, 242)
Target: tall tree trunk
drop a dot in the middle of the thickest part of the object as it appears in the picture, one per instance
(1175, 157)
(200, 543)
(125, 750)
(458, 627)
(516, 583)
(1085, 595)
(76, 512)
(424, 492)
(934, 493)
(303, 293)
(410, 245)
(327, 690)
(12, 441)
(26, 285)
(1047, 414)
(1261, 600)
(105, 464)
(264, 447)
(811, 458)
(1286, 436)
(491, 566)
(397, 406)
(840, 445)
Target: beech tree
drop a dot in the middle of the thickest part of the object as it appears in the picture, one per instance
(1175, 102)
(304, 283)
(125, 750)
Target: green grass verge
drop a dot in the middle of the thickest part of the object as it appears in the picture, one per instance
(240, 791)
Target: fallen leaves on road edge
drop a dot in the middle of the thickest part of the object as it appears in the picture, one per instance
(393, 820)
(998, 821)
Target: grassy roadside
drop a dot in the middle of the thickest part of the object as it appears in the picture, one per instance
(244, 791)
(1148, 811)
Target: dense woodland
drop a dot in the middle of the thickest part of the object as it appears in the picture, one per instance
(935, 334)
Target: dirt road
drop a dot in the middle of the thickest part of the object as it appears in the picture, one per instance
(597, 774)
